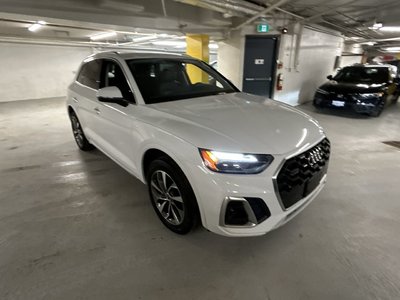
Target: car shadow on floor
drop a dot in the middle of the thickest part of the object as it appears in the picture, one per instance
(121, 196)
(127, 197)
(341, 113)
(344, 113)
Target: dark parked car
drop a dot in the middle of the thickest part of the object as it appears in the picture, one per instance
(362, 88)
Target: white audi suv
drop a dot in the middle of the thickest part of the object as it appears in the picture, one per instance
(239, 164)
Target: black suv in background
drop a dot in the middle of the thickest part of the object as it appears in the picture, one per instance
(362, 88)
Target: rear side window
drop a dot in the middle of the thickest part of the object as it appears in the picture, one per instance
(89, 74)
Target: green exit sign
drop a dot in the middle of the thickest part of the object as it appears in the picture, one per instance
(262, 27)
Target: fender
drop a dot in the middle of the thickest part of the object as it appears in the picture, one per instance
(184, 157)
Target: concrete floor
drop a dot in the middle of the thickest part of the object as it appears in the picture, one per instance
(75, 225)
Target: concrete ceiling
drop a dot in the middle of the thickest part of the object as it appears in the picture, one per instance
(76, 20)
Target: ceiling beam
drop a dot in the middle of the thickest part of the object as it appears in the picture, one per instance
(374, 9)
(328, 11)
(289, 13)
(262, 12)
(345, 29)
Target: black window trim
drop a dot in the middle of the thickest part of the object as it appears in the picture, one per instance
(80, 70)
(126, 77)
(103, 59)
(191, 60)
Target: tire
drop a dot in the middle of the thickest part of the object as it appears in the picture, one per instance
(379, 108)
(172, 196)
(396, 97)
(317, 106)
(78, 133)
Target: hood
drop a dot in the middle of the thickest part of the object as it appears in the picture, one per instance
(349, 87)
(236, 122)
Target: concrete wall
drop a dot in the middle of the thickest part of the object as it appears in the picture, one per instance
(347, 60)
(317, 56)
(37, 71)
(230, 58)
(316, 60)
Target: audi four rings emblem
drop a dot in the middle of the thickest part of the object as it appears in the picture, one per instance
(315, 155)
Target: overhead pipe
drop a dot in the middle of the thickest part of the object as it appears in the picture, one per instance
(289, 13)
(346, 29)
(326, 31)
(51, 42)
(83, 44)
(365, 11)
(297, 50)
(230, 7)
(164, 8)
(235, 7)
(325, 12)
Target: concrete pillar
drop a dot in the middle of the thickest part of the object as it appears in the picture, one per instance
(197, 47)
(230, 58)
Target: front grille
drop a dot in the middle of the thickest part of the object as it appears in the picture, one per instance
(301, 174)
(334, 96)
(321, 95)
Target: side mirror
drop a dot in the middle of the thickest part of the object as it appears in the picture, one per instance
(330, 77)
(111, 94)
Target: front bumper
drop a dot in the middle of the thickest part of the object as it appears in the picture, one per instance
(354, 103)
(213, 190)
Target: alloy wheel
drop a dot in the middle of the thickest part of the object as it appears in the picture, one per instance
(77, 131)
(167, 197)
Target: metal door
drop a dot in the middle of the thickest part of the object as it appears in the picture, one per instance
(259, 65)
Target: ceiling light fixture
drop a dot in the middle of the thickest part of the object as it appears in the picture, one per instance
(213, 46)
(392, 49)
(36, 26)
(102, 36)
(376, 26)
(390, 29)
(368, 43)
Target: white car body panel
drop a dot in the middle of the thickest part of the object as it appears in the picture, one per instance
(235, 122)
(238, 123)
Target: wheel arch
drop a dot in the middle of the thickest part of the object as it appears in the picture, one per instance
(150, 155)
(153, 153)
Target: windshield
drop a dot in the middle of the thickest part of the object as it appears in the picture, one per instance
(161, 80)
(362, 75)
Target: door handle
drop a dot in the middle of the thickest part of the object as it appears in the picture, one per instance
(97, 110)
(75, 99)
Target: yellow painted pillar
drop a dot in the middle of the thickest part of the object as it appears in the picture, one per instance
(197, 47)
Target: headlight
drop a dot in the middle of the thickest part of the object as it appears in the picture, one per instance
(235, 163)
(322, 91)
(371, 95)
